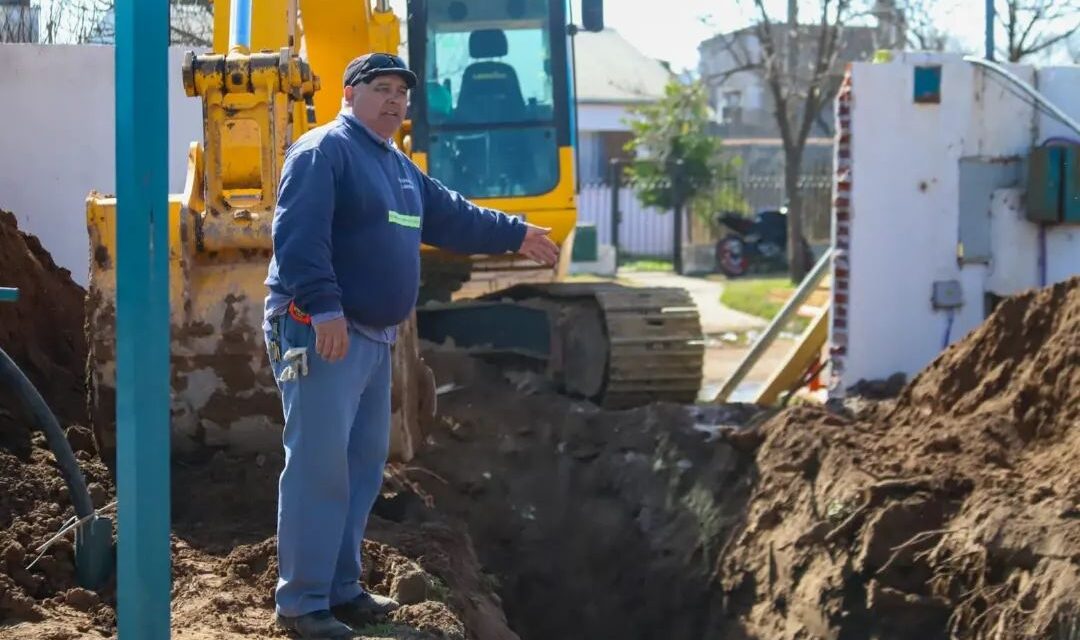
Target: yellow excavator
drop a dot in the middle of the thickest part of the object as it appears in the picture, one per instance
(492, 118)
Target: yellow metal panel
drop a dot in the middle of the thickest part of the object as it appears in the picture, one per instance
(269, 24)
(334, 33)
(798, 360)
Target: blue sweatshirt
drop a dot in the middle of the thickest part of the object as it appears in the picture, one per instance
(351, 214)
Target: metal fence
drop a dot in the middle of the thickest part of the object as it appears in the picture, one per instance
(767, 192)
(647, 232)
(644, 232)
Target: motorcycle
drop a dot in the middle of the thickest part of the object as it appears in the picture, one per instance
(753, 244)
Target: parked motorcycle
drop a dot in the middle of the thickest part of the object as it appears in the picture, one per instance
(752, 244)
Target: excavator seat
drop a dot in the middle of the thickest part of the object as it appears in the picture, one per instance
(490, 90)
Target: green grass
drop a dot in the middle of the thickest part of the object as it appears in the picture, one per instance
(646, 265)
(761, 297)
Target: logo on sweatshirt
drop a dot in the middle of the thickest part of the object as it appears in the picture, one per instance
(404, 219)
(406, 184)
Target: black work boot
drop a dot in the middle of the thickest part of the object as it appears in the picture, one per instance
(317, 624)
(364, 609)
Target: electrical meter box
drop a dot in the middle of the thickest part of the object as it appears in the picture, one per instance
(585, 243)
(1053, 193)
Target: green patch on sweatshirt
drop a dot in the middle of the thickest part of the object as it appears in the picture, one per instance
(405, 220)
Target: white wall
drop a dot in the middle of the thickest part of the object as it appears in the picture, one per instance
(905, 214)
(602, 117)
(57, 143)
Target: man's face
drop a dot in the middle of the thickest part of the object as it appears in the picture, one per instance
(381, 104)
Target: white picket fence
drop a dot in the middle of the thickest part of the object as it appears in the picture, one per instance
(643, 231)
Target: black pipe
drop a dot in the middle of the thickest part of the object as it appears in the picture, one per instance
(13, 377)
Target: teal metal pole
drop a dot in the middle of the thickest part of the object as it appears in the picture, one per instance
(142, 319)
(989, 29)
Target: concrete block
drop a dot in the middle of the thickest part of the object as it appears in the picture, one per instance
(604, 265)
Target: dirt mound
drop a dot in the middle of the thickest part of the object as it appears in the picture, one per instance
(224, 560)
(43, 330)
(223, 508)
(954, 513)
(1022, 364)
(34, 505)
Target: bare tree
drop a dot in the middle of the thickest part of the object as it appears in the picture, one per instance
(798, 63)
(92, 21)
(920, 29)
(1036, 26)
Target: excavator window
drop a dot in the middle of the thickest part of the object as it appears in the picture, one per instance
(490, 97)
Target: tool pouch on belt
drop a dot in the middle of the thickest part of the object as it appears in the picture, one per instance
(298, 315)
(295, 359)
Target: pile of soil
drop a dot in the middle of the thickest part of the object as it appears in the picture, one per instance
(953, 512)
(224, 562)
(43, 330)
(223, 508)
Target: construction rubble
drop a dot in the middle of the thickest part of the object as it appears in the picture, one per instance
(951, 510)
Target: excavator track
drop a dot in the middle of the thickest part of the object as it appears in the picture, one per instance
(618, 346)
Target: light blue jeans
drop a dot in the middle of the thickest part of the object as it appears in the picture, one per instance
(336, 438)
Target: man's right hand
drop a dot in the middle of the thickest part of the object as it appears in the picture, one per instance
(332, 339)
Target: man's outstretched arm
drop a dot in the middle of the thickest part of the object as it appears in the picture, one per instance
(452, 222)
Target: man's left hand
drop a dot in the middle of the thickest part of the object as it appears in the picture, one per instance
(538, 246)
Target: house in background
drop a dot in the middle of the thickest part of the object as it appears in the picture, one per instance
(612, 76)
(741, 98)
(744, 110)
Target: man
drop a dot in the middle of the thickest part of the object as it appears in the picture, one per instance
(352, 212)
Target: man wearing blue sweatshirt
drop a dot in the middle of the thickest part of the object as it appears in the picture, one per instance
(351, 214)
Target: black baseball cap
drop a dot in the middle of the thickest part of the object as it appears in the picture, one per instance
(372, 65)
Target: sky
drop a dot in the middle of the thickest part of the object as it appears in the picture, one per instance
(673, 33)
(671, 30)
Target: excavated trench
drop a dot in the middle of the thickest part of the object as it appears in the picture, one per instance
(593, 524)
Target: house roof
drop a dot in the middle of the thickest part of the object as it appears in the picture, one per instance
(610, 70)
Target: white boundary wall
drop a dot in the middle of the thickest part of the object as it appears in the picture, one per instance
(57, 142)
(901, 231)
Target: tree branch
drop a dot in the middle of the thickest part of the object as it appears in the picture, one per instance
(189, 37)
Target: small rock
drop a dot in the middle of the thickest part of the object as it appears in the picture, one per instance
(14, 555)
(28, 581)
(411, 587)
(98, 494)
(81, 599)
(80, 438)
(260, 460)
(63, 549)
(242, 569)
